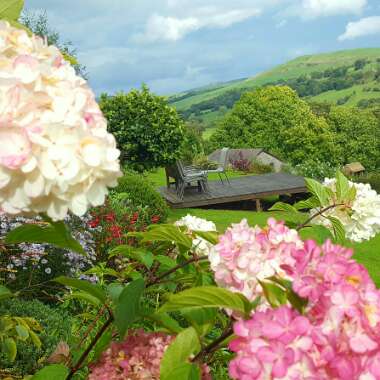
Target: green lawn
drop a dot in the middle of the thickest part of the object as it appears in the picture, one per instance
(366, 253)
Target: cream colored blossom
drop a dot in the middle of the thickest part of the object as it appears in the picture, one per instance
(55, 154)
(361, 221)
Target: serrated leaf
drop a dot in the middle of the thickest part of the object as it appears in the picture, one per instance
(139, 254)
(94, 290)
(316, 232)
(342, 186)
(318, 190)
(83, 296)
(164, 320)
(281, 206)
(339, 232)
(128, 305)
(210, 236)
(178, 353)
(167, 233)
(54, 233)
(307, 204)
(11, 9)
(50, 372)
(186, 371)
(275, 295)
(10, 348)
(207, 297)
(201, 319)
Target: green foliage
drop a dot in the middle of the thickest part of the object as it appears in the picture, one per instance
(193, 142)
(357, 135)
(140, 192)
(37, 22)
(149, 132)
(55, 233)
(202, 162)
(371, 178)
(54, 371)
(56, 327)
(314, 168)
(276, 119)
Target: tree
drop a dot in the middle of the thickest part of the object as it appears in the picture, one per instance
(276, 119)
(357, 135)
(37, 22)
(149, 132)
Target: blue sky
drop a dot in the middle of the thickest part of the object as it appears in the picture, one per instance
(174, 45)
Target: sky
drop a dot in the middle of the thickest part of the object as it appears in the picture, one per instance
(176, 45)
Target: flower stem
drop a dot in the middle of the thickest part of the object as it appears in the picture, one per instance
(320, 212)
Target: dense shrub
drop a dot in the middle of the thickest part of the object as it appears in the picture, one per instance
(314, 169)
(148, 131)
(276, 119)
(56, 324)
(372, 178)
(193, 142)
(142, 193)
(357, 135)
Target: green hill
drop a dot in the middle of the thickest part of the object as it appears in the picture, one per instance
(350, 77)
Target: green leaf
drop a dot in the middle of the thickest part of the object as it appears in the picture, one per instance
(5, 292)
(201, 319)
(210, 236)
(139, 254)
(22, 332)
(310, 203)
(10, 348)
(178, 353)
(316, 232)
(184, 371)
(167, 233)
(11, 9)
(83, 296)
(318, 190)
(275, 295)
(128, 305)
(94, 290)
(166, 262)
(342, 186)
(339, 232)
(281, 206)
(35, 339)
(114, 290)
(50, 372)
(54, 233)
(163, 319)
(207, 297)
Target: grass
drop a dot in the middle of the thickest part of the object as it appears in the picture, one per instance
(366, 253)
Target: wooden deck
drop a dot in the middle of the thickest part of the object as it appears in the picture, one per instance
(240, 189)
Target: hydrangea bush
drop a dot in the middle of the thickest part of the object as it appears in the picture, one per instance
(295, 309)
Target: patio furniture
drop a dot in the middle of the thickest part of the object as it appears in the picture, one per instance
(222, 165)
(185, 177)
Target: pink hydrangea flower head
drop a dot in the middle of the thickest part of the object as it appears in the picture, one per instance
(56, 153)
(245, 255)
(138, 357)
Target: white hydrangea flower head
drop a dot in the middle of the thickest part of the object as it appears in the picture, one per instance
(192, 223)
(56, 154)
(362, 221)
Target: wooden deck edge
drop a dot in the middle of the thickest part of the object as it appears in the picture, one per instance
(236, 198)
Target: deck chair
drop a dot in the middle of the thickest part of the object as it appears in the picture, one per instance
(184, 178)
(222, 165)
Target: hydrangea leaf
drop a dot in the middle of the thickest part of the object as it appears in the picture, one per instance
(178, 354)
(128, 305)
(11, 9)
(54, 371)
(54, 233)
(207, 297)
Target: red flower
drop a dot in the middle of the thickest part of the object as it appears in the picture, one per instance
(110, 217)
(94, 223)
(155, 219)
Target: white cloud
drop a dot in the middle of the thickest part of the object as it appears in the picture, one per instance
(364, 27)
(309, 9)
(175, 28)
